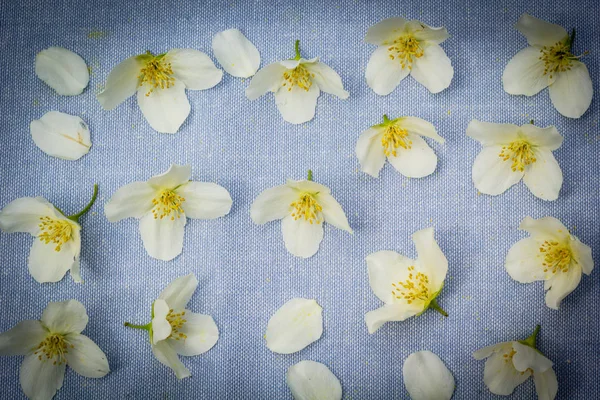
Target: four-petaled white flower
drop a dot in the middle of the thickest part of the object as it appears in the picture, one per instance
(49, 345)
(160, 82)
(407, 47)
(511, 153)
(549, 62)
(58, 237)
(303, 206)
(163, 203)
(400, 140)
(310, 380)
(509, 364)
(175, 330)
(407, 287)
(297, 84)
(551, 255)
(426, 377)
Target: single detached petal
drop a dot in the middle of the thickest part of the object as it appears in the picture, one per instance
(327, 79)
(162, 237)
(546, 384)
(370, 152)
(24, 214)
(386, 268)
(179, 292)
(309, 380)
(61, 135)
(489, 134)
(272, 204)
(333, 212)
(547, 138)
(236, 54)
(295, 325)
(563, 284)
(539, 32)
(41, 379)
(572, 91)
(268, 79)
(200, 335)
(384, 74)
(524, 73)
(417, 161)
(544, 177)
(493, 175)
(85, 357)
(388, 313)
(431, 257)
(500, 376)
(161, 328)
(426, 377)
(297, 105)
(419, 126)
(121, 83)
(164, 109)
(21, 339)
(433, 70)
(301, 238)
(385, 31)
(133, 200)
(48, 265)
(167, 355)
(205, 200)
(194, 68)
(65, 317)
(175, 176)
(524, 262)
(528, 358)
(62, 70)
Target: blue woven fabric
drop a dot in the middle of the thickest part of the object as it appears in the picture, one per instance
(244, 270)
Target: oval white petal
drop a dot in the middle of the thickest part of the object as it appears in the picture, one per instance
(23, 215)
(166, 354)
(236, 54)
(65, 317)
(121, 83)
(268, 79)
(164, 109)
(384, 74)
(491, 174)
(524, 73)
(309, 380)
(572, 91)
(41, 380)
(544, 177)
(333, 212)
(489, 133)
(548, 138)
(62, 70)
(327, 79)
(175, 176)
(523, 262)
(23, 337)
(298, 105)
(48, 265)
(426, 377)
(416, 162)
(370, 152)
(434, 69)
(561, 285)
(431, 257)
(201, 334)
(85, 357)
(162, 238)
(194, 69)
(546, 384)
(386, 267)
(420, 127)
(204, 200)
(132, 200)
(528, 358)
(272, 204)
(539, 32)
(501, 377)
(61, 135)
(385, 31)
(301, 238)
(295, 325)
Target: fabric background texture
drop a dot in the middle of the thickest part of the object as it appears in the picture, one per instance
(245, 273)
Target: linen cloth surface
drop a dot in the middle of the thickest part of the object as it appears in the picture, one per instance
(245, 273)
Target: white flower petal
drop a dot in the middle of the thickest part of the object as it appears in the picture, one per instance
(61, 135)
(179, 292)
(386, 267)
(236, 54)
(297, 106)
(416, 162)
(528, 358)
(23, 215)
(544, 177)
(85, 357)
(161, 328)
(310, 380)
(384, 74)
(489, 350)
(385, 31)
(546, 384)
(194, 68)
(420, 127)
(369, 151)
(201, 335)
(572, 91)
(583, 255)
(293, 63)
(524, 73)
(308, 186)
(488, 133)
(434, 69)
(545, 228)
(62, 70)
(22, 338)
(268, 79)
(204, 200)
(524, 263)
(164, 109)
(175, 176)
(327, 79)
(491, 174)
(539, 32)
(333, 212)
(426, 377)
(166, 354)
(272, 204)
(431, 258)
(65, 317)
(301, 238)
(500, 376)
(388, 313)
(563, 284)
(426, 33)
(41, 379)
(295, 325)
(48, 265)
(163, 238)
(121, 83)
(133, 200)
(547, 137)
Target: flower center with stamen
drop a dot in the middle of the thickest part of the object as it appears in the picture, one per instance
(508, 356)
(157, 74)
(176, 321)
(557, 256)
(307, 207)
(168, 203)
(405, 49)
(54, 347)
(520, 153)
(395, 137)
(415, 287)
(55, 231)
(298, 76)
(556, 58)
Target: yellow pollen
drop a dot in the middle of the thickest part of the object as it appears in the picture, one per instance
(556, 58)
(520, 153)
(298, 76)
(176, 321)
(55, 231)
(168, 203)
(393, 138)
(157, 73)
(405, 49)
(557, 256)
(508, 356)
(416, 287)
(307, 207)
(53, 347)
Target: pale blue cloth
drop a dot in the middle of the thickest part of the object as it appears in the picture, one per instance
(244, 270)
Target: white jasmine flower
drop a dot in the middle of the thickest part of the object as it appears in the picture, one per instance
(57, 243)
(509, 364)
(175, 330)
(236, 54)
(426, 377)
(407, 287)
(61, 135)
(303, 207)
(407, 47)
(62, 70)
(49, 345)
(297, 84)
(163, 203)
(298, 323)
(549, 62)
(310, 380)
(160, 82)
(551, 255)
(400, 141)
(512, 152)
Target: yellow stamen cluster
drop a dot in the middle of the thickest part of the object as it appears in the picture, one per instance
(395, 137)
(307, 207)
(416, 287)
(168, 203)
(176, 320)
(405, 49)
(157, 73)
(53, 347)
(557, 256)
(298, 76)
(55, 231)
(521, 154)
(556, 58)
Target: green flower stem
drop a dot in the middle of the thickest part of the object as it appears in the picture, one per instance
(531, 122)
(571, 39)
(434, 304)
(146, 327)
(531, 340)
(297, 49)
(75, 217)
(309, 177)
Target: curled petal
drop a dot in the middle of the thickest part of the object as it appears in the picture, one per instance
(388, 313)
(426, 377)
(489, 350)
(501, 377)
(301, 238)
(179, 292)
(327, 79)
(121, 83)
(431, 257)
(310, 380)
(62, 70)
(205, 200)
(164, 109)
(528, 358)
(545, 228)
(194, 68)
(547, 137)
(539, 32)
(562, 284)
(295, 325)
(572, 91)
(161, 328)
(384, 74)
(333, 212)
(297, 105)
(433, 70)
(85, 357)
(175, 176)
(583, 255)
(419, 126)
(236, 54)
(546, 384)
(428, 33)
(370, 152)
(65, 317)
(167, 355)
(61, 135)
